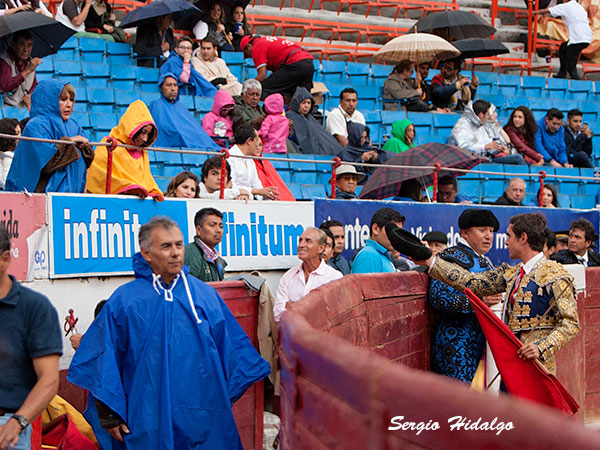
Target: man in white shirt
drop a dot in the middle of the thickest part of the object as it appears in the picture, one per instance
(346, 112)
(213, 68)
(243, 170)
(312, 273)
(575, 18)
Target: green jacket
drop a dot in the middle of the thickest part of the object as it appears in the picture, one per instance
(200, 266)
(398, 143)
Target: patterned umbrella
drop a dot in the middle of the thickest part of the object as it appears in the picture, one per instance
(385, 182)
(417, 47)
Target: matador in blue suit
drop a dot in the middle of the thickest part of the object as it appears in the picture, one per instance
(458, 341)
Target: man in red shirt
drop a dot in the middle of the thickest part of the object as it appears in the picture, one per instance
(17, 70)
(291, 66)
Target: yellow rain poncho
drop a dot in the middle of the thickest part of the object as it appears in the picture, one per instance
(130, 168)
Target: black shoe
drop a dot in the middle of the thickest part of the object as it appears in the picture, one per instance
(575, 76)
(560, 75)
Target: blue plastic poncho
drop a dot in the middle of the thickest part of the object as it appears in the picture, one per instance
(173, 380)
(177, 127)
(31, 157)
(174, 64)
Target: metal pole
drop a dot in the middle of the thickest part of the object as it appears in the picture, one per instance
(335, 163)
(542, 175)
(224, 156)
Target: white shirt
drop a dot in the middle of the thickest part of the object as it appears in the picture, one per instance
(230, 194)
(527, 267)
(292, 286)
(6, 159)
(243, 172)
(337, 119)
(585, 259)
(575, 18)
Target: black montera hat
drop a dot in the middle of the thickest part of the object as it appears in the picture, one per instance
(406, 243)
(436, 236)
(475, 217)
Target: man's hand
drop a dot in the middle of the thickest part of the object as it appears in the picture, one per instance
(270, 192)
(33, 64)
(492, 299)
(369, 156)
(475, 82)
(587, 130)
(115, 432)
(460, 83)
(568, 165)
(529, 351)
(109, 28)
(75, 340)
(539, 163)
(494, 145)
(79, 140)
(9, 434)
(554, 163)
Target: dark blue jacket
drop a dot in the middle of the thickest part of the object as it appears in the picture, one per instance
(550, 146)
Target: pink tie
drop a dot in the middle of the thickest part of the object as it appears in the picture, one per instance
(516, 286)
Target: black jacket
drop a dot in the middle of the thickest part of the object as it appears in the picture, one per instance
(504, 200)
(581, 143)
(568, 257)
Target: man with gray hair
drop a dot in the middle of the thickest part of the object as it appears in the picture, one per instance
(247, 106)
(165, 359)
(514, 193)
(312, 273)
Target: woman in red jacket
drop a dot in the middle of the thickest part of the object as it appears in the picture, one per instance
(521, 129)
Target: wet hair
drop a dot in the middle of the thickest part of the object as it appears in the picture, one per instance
(331, 223)
(552, 189)
(21, 34)
(214, 162)
(403, 65)
(481, 106)
(448, 179)
(385, 215)
(4, 239)
(554, 113)
(550, 238)
(530, 127)
(244, 132)
(533, 225)
(586, 226)
(178, 179)
(573, 113)
(145, 233)
(348, 90)
(201, 215)
(7, 126)
(210, 38)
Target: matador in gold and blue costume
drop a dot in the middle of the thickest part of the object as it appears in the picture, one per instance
(544, 310)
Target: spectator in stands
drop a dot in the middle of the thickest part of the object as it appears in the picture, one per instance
(549, 197)
(550, 244)
(178, 63)
(581, 242)
(7, 147)
(17, 70)
(268, 176)
(310, 274)
(337, 261)
(421, 74)
(102, 18)
(448, 191)
(521, 129)
(247, 105)
(494, 128)
(346, 180)
(237, 26)
(470, 133)
(8, 7)
(130, 168)
(276, 127)
(403, 137)
(45, 167)
(562, 240)
(411, 190)
(436, 241)
(452, 90)
(375, 257)
(550, 139)
(72, 14)
(290, 65)
(329, 244)
(218, 122)
(514, 193)
(177, 127)
(578, 139)
(338, 118)
(154, 42)
(183, 185)
(243, 171)
(210, 187)
(360, 150)
(213, 68)
(575, 18)
(201, 256)
(308, 133)
(214, 22)
(400, 86)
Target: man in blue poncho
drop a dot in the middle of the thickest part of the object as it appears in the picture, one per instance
(178, 63)
(176, 125)
(165, 359)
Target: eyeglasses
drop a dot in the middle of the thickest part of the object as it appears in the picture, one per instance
(185, 47)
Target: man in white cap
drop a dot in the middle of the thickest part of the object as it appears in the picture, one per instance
(346, 180)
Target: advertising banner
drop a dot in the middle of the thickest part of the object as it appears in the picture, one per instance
(24, 216)
(421, 218)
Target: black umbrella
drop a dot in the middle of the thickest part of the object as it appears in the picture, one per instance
(143, 14)
(454, 25)
(479, 47)
(48, 34)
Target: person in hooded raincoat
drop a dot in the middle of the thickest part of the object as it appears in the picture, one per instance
(309, 134)
(276, 126)
(403, 137)
(218, 121)
(165, 359)
(45, 167)
(130, 168)
(176, 125)
(359, 148)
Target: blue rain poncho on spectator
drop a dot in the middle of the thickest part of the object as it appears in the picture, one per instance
(31, 157)
(201, 87)
(169, 370)
(176, 125)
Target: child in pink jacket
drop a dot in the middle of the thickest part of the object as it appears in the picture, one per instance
(218, 121)
(275, 128)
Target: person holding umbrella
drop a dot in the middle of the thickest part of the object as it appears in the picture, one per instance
(154, 41)
(17, 70)
(452, 90)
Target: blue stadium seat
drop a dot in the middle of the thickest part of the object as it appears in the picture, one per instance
(312, 191)
(233, 58)
(81, 100)
(589, 110)
(101, 100)
(388, 118)
(509, 84)
(119, 53)
(123, 77)
(423, 121)
(305, 173)
(169, 158)
(203, 104)
(82, 118)
(496, 99)
(564, 201)
(188, 101)
(193, 160)
(533, 86)
(333, 72)
(147, 97)
(123, 98)
(12, 112)
(541, 104)
(47, 66)
(358, 73)
(379, 73)
(511, 103)
(579, 89)
(296, 190)
(69, 50)
(583, 201)
(443, 123)
(487, 78)
(429, 139)
(557, 87)
(96, 74)
(373, 121)
(67, 68)
(147, 78)
(368, 98)
(470, 188)
(92, 50)
(102, 124)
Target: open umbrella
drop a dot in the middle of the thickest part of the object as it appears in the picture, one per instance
(143, 14)
(417, 47)
(454, 25)
(385, 182)
(48, 34)
(480, 47)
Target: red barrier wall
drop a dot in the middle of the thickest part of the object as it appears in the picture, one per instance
(337, 396)
(248, 410)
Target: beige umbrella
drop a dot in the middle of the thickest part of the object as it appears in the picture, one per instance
(417, 47)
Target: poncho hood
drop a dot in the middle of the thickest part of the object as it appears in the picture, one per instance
(355, 131)
(44, 100)
(135, 117)
(161, 79)
(300, 95)
(274, 104)
(399, 129)
(223, 98)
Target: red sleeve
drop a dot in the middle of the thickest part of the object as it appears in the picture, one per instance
(520, 144)
(259, 53)
(8, 83)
